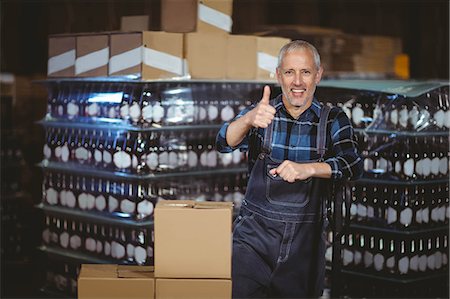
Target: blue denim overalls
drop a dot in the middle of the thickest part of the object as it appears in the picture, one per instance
(278, 238)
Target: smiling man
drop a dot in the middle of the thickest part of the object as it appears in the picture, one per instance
(297, 147)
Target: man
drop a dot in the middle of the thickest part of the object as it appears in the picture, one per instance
(296, 148)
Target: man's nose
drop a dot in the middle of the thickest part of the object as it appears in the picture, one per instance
(297, 78)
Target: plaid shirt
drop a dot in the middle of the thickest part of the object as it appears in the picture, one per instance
(295, 139)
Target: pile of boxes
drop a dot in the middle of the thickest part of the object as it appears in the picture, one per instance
(195, 43)
(192, 257)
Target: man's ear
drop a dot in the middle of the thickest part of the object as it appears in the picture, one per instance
(319, 75)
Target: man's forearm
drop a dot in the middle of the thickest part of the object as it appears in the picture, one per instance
(320, 170)
(237, 130)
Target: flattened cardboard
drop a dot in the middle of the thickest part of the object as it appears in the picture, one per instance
(193, 288)
(135, 23)
(193, 240)
(215, 16)
(113, 281)
(206, 55)
(179, 15)
(58, 46)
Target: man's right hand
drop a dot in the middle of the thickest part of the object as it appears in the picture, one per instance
(262, 115)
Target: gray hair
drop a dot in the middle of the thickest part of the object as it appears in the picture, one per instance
(297, 45)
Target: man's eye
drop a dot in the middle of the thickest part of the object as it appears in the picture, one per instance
(288, 72)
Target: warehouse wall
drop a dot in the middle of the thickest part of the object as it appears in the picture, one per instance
(422, 25)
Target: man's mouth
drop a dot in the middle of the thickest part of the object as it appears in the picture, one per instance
(298, 91)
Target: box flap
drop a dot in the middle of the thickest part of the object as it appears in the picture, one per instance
(193, 204)
(98, 271)
(212, 205)
(125, 271)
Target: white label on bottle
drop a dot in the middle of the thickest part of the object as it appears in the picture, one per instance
(72, 109)
(353, 209)
(439, 117)
(347, 257)
(158, 112)
(390, 262)
(100, 203)
(145, 208)
(362, 210)
(435, 166)
(75, 242)
(90, 244)
(213, 112)
(93, 109)
(226, 159)
(212, 158)
(444, 259)
(202, 113)
(98, 247)
(82, 201)
(419, 167)
(120, 251)
(60, 62)
(81, 153)
(441, 213)
(408, 167)
(107, 248)
(163, 61)
(46, 235)
(70, 199)
(122, 159)
(65, 153)
(140, 255)
(431, 262)
(426, 167)
(368, 259)
(150, 250)
(438, 259)
(368, 164)
(414, 116)
(227, 113)
(97, 156)
(419, 216)
(90, 201)
(398, 167)
(182, 159)
(448, 212)
(268, 63)
(357, 257)
(237, 156)
(127, 206)
(192, 159)
(62, 197)
(434, 214)
(328, 254)
(134, 162)
(447, 119)
(414, 263)
(130, 250)
(152, 160)
(394, 117)
(406, 216)
(443, 166)
(64, 239)
(47, 152)
(147, 113)
(378, 261)
(52, 196)
(370, 212)
(391, 215)
(113, 204)
(173, 160)
(403, 117)
(163, 160)
(58, 152)
(403, 265)
(357, 115)
(91, 61)
(426, 215)
(204, 159)
(124, 110)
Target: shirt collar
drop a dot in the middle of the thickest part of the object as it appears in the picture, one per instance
(315, 105)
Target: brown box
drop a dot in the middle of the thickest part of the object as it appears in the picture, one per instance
(147, 55)
(193, 288)
(134, 23)
(92, 55)
(197, 15)
(253, 57)
(193, 239)
(205, 54)
(116, 281)
(61, 56)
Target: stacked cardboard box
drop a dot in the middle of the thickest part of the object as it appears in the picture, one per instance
(192, 257)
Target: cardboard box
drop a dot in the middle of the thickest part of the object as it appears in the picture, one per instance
(147, 55)
(193, 239)
(92, 55)
(61, 56)
(116, 281)
(197, 16)
(193, 288)
(253, 57)
(134, 23)
(205, 55)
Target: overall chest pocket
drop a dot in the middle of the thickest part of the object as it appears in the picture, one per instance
(282, 193)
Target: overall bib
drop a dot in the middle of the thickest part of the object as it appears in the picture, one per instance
(278, 238)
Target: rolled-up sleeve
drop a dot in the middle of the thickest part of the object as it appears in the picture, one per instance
(346, 162)
(222, 145)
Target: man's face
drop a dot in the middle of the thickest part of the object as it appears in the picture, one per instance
(298, 77)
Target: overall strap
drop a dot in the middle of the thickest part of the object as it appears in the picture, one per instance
(322, 131)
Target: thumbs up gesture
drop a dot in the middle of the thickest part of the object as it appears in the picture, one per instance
(262, 115)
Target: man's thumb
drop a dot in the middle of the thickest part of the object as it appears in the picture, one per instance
(266, 95)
